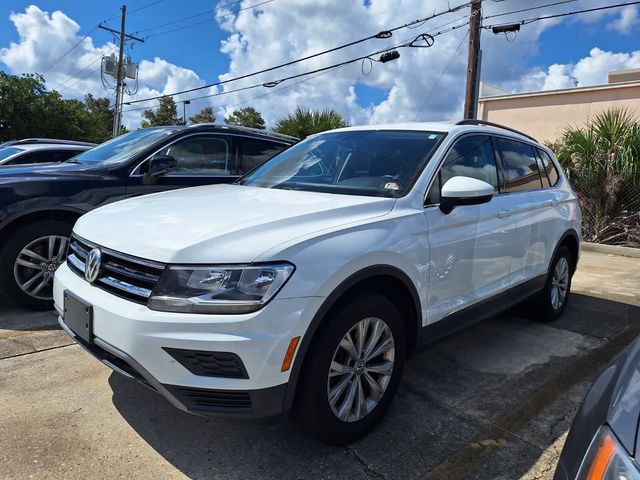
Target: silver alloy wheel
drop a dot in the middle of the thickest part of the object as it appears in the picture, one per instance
(559, 283)
(361, 369)
(36, 264)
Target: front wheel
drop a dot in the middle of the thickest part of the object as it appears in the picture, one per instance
(29, 259)
(352, 371)
(554, 297)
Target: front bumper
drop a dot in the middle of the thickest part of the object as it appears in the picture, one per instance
(133, 340)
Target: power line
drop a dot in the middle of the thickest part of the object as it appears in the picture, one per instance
(529, 9)
(206, 12)
(380, 35)
(558, 15)
(273, 83)
(207, 20)
(145, 6)
(76, 75)
(70, 50)
(444, 70)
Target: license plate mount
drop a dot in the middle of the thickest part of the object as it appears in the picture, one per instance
(78, 316)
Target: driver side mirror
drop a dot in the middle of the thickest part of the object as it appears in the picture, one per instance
(158, 166)
(464, 191)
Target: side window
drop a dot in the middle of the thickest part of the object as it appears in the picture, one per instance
(549, 167)
(205, 155)
(255, 152)
(471, 156)
(519, 164)
(34, 157)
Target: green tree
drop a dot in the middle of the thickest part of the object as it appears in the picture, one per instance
(100, 119)
(165, 114)
(18, 95)
(205, 115)
(305, 122)
(246, 117)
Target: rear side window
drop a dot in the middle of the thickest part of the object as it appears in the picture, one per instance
(519, 164)
(255, 152)
(471, 156)
(549, 168)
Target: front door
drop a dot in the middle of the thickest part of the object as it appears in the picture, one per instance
(203, 159)
(470, 248)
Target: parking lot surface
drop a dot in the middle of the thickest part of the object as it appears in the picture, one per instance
(494, 401)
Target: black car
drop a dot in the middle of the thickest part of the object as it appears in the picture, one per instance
(604, 440)
(40, 204)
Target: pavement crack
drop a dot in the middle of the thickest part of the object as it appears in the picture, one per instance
(369, 472)
(37, 351)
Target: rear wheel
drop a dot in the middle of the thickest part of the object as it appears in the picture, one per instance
(28, 262)
(554, 297)
(352, 371)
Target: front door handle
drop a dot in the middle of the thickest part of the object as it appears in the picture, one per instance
(505, 213)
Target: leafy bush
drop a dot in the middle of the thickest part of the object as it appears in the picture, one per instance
(602, 161)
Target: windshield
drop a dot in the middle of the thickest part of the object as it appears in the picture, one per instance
(381, 163)
(124, 147)
(6, 152)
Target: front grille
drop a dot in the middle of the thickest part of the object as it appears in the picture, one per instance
(125, 276)
(201, 400)
(209, 364)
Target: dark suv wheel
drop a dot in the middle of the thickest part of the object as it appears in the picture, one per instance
(352, 371)
(29, 259)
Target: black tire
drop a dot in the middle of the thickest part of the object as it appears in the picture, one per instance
(11, 248)
(545, 309)
(312, 410)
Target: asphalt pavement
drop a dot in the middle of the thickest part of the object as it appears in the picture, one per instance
(494, 401)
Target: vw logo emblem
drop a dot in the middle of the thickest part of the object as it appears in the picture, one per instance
(92, 266)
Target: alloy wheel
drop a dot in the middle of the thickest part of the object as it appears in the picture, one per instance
(559, 283)
(361, 369)
(36, 264)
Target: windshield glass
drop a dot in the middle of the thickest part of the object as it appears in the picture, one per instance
(6, 152)
(381, 163)
(124, 147)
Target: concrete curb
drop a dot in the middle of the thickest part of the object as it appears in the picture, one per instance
(611, 249)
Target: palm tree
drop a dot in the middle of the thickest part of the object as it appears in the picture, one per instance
(602, 159)
(304, 122)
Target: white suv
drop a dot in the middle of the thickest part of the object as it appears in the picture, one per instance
(306, 285)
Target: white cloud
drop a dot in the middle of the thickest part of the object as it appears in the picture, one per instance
(628, 19)
(44, 37)
(590, 70)
(280, 31)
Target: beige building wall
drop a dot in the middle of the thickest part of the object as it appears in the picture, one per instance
(544, 115)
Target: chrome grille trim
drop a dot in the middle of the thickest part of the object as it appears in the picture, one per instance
(120, 274)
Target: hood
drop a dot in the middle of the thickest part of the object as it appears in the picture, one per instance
(12, 173)
(220, 223)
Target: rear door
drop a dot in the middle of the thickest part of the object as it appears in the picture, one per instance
(530, 206)
(470, 248)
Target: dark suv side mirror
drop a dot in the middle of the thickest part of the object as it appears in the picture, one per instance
(158, 166)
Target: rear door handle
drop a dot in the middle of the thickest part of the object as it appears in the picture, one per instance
(505, 213)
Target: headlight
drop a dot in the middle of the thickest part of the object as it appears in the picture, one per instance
(607, 460)
(218, 288)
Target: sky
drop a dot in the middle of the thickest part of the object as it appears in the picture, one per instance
(191, 43)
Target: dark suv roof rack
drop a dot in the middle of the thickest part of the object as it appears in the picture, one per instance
(471, 121)
(57, 141)
(257, 131)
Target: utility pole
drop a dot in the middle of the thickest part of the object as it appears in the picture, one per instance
(117, 117)
(473, 62)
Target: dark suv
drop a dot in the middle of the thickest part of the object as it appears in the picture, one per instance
(40, 204)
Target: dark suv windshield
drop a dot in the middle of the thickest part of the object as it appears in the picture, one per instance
(382, 163)
(124, 147)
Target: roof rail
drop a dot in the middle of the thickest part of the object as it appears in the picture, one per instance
(28, 141)
(472, 121)
(258, 131)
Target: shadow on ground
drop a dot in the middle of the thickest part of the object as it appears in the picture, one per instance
(484, 403)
